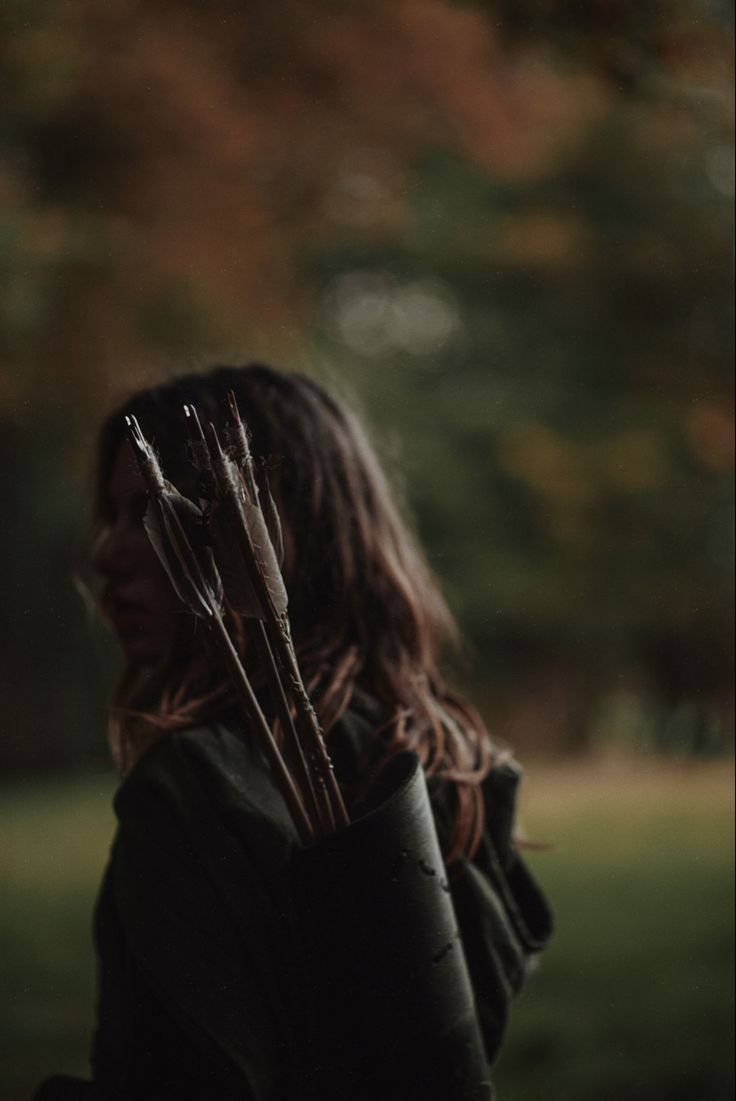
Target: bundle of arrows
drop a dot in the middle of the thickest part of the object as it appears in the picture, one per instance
(225, 551)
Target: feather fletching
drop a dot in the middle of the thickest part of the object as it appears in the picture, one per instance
(272, 518)
(175, 528)
(265, 555)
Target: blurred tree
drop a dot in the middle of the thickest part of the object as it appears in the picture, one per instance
(501, 224)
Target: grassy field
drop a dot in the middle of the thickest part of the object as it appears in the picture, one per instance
(632, 1000)
(634, 996)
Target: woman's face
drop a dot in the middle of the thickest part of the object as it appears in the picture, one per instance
(138, 601)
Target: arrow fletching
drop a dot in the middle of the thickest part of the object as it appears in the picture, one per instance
(175, 527)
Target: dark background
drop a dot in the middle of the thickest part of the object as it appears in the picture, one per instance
(503, 231)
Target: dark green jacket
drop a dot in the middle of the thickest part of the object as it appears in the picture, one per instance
(199, 980)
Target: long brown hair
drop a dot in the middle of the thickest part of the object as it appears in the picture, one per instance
(364, 608)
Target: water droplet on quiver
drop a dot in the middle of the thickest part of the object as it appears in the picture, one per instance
(398, 864)
(445, 951)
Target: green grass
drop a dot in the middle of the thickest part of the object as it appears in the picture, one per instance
(54, 838)
(633, 999)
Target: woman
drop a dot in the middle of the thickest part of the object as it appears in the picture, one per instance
(200, 994)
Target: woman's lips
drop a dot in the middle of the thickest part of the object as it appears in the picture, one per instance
(121, 609)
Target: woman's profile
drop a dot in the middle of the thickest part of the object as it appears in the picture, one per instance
(203, 991)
